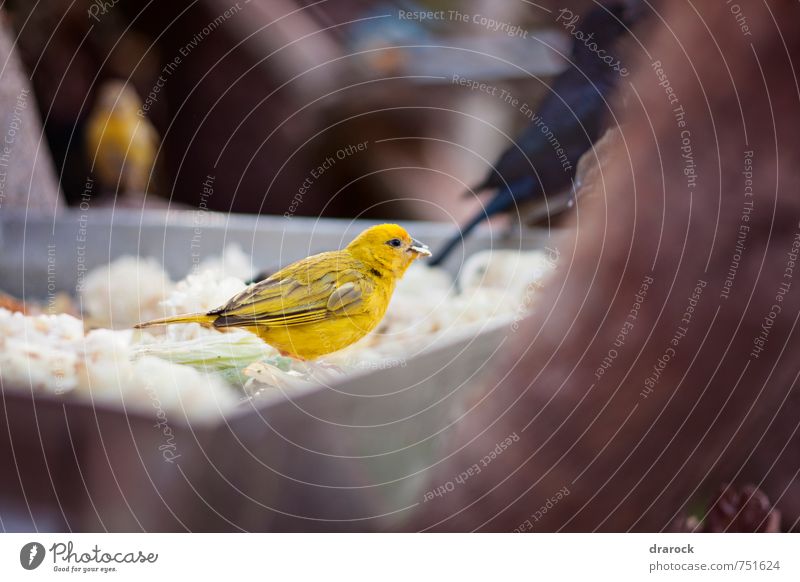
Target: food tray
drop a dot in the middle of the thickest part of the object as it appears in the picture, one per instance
(354, 456)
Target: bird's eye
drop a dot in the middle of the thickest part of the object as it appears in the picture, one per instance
(395, 242)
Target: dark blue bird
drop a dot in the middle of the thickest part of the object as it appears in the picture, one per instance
(568, 121)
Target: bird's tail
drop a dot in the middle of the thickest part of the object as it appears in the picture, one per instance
(201, 318)
(504, 199)
(439, 257)
(476, 189)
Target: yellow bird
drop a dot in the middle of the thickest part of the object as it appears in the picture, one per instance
(120, 143)
(322, 303)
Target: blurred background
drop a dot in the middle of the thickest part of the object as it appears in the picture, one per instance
(237, 105)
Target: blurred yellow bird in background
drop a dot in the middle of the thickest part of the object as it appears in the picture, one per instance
(322, 303)
(121, 144)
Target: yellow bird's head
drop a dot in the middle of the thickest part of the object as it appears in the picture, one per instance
(387, 247)
(119, 97)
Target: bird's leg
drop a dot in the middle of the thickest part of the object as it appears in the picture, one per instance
(291, 356)
(322, 364)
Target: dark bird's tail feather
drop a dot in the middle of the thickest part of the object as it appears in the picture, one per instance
(502, 200)
(479, 187)
(439, 257)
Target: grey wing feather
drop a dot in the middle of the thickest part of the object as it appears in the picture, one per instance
(347, 297)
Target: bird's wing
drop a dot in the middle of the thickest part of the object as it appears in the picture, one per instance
(568, 118)
(311, 290)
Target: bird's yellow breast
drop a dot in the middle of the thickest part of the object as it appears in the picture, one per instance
(123, 149)
(312, 340)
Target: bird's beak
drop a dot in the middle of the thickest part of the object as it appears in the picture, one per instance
(419, 248)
